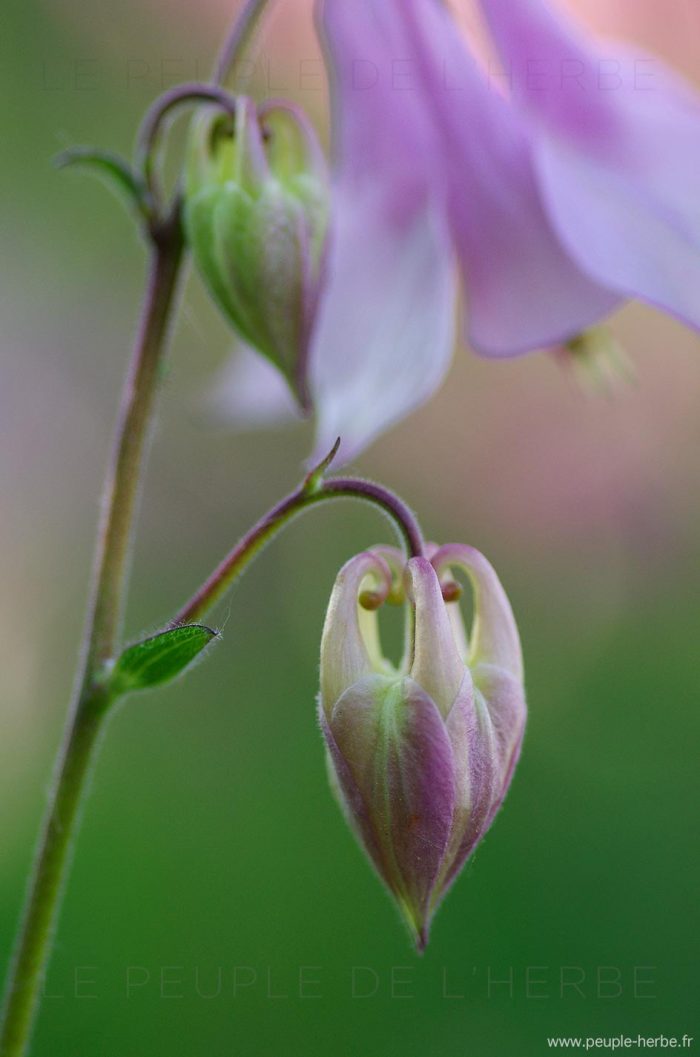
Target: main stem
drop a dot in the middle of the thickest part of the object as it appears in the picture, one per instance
(90, 704)
(135, 417)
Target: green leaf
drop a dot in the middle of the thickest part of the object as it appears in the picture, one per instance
(104, 163)
(160, 658)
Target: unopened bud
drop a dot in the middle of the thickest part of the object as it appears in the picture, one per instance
(421, 756)
(256, 214)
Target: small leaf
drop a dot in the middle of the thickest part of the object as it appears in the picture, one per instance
(159, 659)
(118, 172)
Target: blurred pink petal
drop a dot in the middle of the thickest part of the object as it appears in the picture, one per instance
(562, 188)
(252, 393)
(385, 332)
(617, 152)
(523, 290)
(419, 124)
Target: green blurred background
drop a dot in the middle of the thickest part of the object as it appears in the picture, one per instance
(211, 846)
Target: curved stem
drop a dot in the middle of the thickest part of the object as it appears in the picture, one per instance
(90, 705)
(308, 495)
(404, 519)
(237, 43)
(148, 139)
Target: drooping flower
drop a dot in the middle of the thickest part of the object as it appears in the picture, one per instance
(420, 756)
(431, 162)
(616, 149)
(562, 187)
(573, 191)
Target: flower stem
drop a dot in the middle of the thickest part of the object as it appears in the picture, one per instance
(238, 41)
(377, 495)
(152, 126)
(48, 878)
(135, 417)
(91, 701)
(302, 499)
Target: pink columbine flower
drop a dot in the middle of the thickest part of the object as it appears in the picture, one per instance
(420, 756)
(560, 185)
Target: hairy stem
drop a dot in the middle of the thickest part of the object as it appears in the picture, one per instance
(239, 40)
(305, 497)
(153, 125)
(91, 701)
(133, 430)
(90, 704)
(48, 878)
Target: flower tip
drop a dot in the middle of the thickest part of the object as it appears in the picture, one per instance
(418, 923)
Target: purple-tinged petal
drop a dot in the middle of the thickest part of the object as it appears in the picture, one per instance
(383, 124)
(494, 638)
(523, 289)
(385, 330)
(437, 664)
(617, 153)
(454, 609)
(473, 741)
(424, 144)
(504, 698)
(486, 727)
(486, 732)
(350, 645)
(643, 244)
(384, 335)
(552, 72)
(395, 745)
(356, 810)
(249, 392)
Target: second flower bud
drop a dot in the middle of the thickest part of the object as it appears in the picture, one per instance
(256, 216)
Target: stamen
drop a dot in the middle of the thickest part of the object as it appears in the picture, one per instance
(452, 591)
(371, 600)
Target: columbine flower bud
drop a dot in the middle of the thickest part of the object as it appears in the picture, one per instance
(256, 210)
(421, 757)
